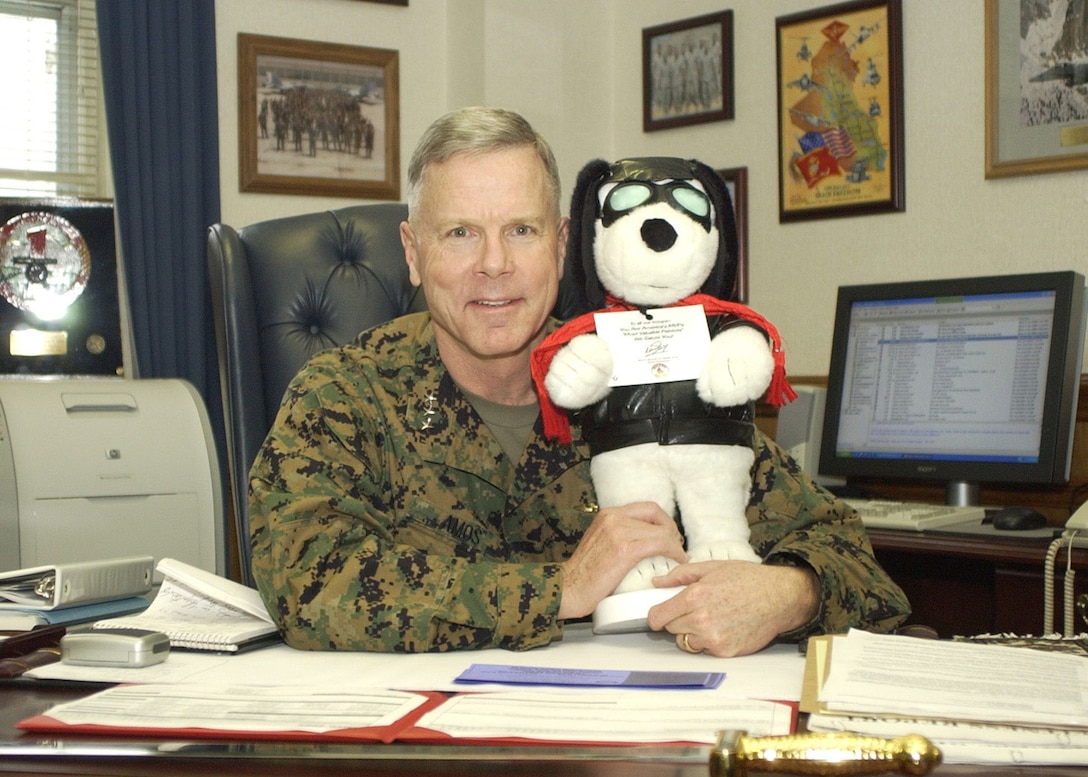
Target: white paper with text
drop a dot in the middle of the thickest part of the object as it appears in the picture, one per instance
(890, 675)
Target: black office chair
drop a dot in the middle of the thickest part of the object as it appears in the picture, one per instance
(282, 290)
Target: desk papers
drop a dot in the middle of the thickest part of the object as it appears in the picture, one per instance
(978, 703)
(627, 717)
(773, 673)
(293, 712)
(198, 710)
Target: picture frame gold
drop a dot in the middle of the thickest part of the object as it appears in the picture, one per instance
(736, 181)
(677, 93)
(318, 118)
(1036, 103)
(840, 111)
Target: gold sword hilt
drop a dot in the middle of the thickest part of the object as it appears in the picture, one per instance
(823, 753)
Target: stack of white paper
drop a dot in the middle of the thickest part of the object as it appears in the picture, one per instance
(978, 703)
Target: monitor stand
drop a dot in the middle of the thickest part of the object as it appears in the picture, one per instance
(961, 494)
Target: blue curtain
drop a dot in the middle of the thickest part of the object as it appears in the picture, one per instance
(159, 79)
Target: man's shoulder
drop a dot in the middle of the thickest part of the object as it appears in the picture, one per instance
(408, 332)
(765, 445)
(403, 340)
(393, 353)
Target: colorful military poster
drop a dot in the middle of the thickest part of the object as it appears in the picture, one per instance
(840, 111)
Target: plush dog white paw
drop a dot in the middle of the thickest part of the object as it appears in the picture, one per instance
(724, 551)
(579, 372)
(738, 369)
(641, 577)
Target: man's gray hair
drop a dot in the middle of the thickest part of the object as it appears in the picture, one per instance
(477, 130)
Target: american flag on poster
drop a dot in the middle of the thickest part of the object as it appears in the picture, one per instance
(839, 143)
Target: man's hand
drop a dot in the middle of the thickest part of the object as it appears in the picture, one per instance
(618, 538)
(733, 608)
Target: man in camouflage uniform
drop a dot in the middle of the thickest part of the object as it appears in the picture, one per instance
(406, 499)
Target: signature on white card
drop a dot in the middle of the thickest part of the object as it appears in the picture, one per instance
(670, 344)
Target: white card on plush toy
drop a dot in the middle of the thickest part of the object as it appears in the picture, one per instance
(665, 344)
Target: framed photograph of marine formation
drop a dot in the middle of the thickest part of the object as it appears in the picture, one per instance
(1036, 88)
(840, 111)
(318, 118)
(687, 72)
(736, 181)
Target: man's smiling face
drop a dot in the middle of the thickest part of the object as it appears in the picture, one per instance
(488, 250)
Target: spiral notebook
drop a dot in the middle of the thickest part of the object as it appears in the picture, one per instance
(201, 611)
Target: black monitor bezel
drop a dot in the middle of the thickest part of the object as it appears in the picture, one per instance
(1059, 404)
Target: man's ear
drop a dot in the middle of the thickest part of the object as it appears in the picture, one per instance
(562, 235)
(411, 254)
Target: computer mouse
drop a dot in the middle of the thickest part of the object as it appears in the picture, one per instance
(1018, 519)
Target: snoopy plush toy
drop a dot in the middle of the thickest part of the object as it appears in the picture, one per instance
(662, 377)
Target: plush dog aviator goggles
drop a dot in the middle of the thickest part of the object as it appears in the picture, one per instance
(682, 196)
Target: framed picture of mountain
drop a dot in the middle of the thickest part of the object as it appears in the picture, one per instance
(1036, 87)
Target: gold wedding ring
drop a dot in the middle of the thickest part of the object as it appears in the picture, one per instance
(687, 645)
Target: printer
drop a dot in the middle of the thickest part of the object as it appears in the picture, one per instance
(97, 468)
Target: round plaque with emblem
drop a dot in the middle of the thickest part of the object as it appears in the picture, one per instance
(45, 264)
(57, 316)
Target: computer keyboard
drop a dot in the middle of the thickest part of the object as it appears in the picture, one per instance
(912, 516)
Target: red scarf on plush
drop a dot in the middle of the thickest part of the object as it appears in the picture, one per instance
(556, 422)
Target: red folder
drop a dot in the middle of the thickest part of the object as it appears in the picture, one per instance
(403, 730)
(387, 734)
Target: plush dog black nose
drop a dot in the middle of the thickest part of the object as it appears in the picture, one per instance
(658, 234)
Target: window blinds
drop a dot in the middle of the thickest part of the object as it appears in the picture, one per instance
(50, 101)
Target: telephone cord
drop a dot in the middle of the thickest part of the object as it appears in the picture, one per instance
(1048, 586)
(1070, 594)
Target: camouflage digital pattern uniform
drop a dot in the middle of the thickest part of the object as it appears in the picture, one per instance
(385, 515)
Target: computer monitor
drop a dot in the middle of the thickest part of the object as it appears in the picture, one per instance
(964, 381)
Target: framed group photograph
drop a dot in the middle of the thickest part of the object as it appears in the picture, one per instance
(318, 118)
(736, 181)
(687, 72)
(1036, 89)
(840, 110)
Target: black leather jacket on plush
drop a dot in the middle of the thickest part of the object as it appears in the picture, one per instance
(666, 413)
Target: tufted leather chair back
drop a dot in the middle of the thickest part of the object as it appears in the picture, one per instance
(284, 289)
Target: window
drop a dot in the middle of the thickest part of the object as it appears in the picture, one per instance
(49, 135)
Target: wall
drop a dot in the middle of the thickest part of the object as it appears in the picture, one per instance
(574, 69)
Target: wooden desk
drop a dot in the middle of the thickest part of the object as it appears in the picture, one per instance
(965, 584)
(140, 758)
